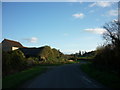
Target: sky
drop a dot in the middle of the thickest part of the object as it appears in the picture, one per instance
(67, 26)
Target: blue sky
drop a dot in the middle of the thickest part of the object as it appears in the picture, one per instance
(68, 26)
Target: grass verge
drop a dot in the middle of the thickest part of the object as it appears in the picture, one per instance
(108, 79)
(14, 80)
(58, 64)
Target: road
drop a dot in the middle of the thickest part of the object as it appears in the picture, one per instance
(66, 76)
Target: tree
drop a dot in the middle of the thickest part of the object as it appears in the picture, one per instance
(112, 34)
(80, 53)
(13, 61)
(108, 56)
(46, 53)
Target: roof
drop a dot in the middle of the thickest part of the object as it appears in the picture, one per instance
(12, 43)
(33, 52)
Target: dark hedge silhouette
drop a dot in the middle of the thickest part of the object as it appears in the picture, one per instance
(108, 56)
(13, 61)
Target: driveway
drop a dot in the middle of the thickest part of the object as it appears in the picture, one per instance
(66, 76)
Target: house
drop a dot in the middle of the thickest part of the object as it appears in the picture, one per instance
(10, 45)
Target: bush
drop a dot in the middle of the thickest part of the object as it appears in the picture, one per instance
(6, 61)
(13, 61)
(17, 59)
(48, 55)
(107, 58)
(32, 61)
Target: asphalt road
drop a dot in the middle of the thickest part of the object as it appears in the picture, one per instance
(66, 76)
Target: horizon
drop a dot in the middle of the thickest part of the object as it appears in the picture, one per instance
(44, 46)
(67, 26)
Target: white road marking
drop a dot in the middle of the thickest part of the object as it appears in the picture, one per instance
(89, 81)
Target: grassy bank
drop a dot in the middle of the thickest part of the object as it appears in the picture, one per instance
(108, 79)
(14, 80)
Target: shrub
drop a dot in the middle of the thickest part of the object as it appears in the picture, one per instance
(107, 58)
(13, 61)
(32, 61)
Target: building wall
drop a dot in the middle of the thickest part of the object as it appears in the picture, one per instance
(6, 49)
(15, 48)
(7, 46)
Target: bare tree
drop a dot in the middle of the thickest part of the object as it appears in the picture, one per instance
(112, 33)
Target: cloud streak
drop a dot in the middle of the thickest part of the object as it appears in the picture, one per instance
(96, 30)
(69, 51)
(31, 40)
(78, 15)
(101, 4)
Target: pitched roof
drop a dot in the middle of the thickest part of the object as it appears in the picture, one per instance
(31, 52)
(12, 43)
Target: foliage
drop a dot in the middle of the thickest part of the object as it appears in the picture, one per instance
(56, 53)
(32, 61)
(49, 55)
(89, 54)
(112, 33)
(46, 53)
(108, 56)
(13, 61)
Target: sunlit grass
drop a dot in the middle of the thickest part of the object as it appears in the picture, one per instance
(14, 80)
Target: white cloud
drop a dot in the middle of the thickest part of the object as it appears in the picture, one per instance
(78, 15)
(114, 20)
(31, 40)
(70, 51)
(96, 30)
(100, 4)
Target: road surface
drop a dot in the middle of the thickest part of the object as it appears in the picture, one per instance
(66, 76)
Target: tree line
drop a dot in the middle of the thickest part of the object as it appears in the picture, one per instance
(108, 55)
